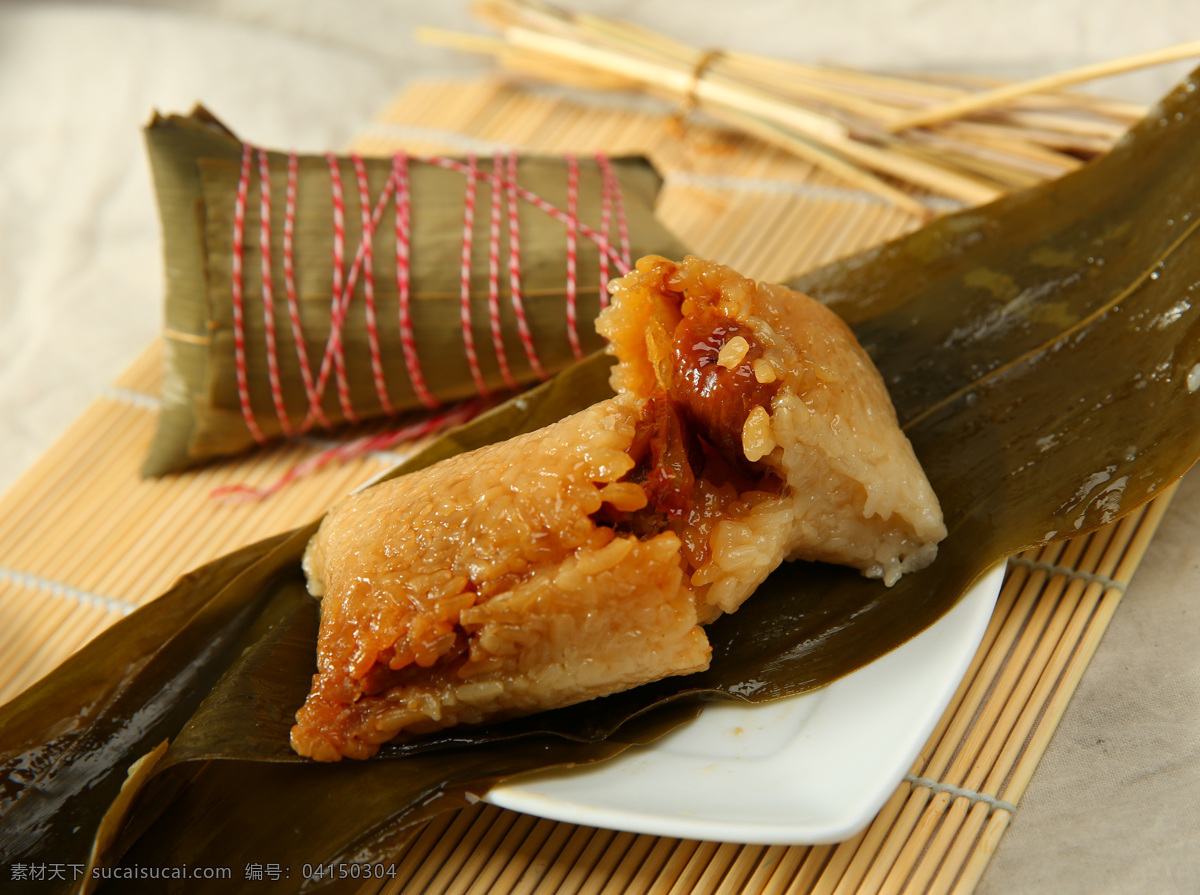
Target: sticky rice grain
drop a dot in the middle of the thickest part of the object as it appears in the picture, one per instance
(482, 588)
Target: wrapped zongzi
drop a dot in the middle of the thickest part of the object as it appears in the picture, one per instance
(304, 292)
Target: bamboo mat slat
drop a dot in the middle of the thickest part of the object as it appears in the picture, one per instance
(84, 540)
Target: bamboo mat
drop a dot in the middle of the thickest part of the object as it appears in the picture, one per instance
(84, 540)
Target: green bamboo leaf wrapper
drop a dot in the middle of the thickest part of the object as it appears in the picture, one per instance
(1045, 393)
(196, 164)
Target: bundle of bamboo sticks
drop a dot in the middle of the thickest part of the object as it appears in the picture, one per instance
(966, 139)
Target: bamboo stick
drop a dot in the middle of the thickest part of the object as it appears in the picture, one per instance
(972, 872)
(869, 850)
(837, 863)
(1007, 92)
(641, 879)
(826, 160)
(1059, 99)
(491, 876)
(421, 849)
(565, 859)
(976, 817)
(733, 879)
(620, 880)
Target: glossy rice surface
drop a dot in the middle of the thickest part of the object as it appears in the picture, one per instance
(481, 588)
(583, 559)
(856, 494)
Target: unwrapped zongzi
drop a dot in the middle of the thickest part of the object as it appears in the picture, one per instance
(583, 558)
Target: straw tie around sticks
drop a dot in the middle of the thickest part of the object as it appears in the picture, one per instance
(506, 193)
(879, 133)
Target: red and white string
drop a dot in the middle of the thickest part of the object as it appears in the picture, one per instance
(506, 193)
(356, 448)
(293, 304)
(408, 342)
(498, 194)
(239, 326)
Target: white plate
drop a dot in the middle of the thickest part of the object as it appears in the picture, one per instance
(808, 769)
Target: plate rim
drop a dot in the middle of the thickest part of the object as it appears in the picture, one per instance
(978, 603)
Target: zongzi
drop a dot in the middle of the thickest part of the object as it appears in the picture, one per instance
(583, 558)
(304, 292)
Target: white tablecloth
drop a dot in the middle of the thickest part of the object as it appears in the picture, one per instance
(1112, 808)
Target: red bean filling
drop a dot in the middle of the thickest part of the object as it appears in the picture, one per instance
(693, 428)
(716, 399)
